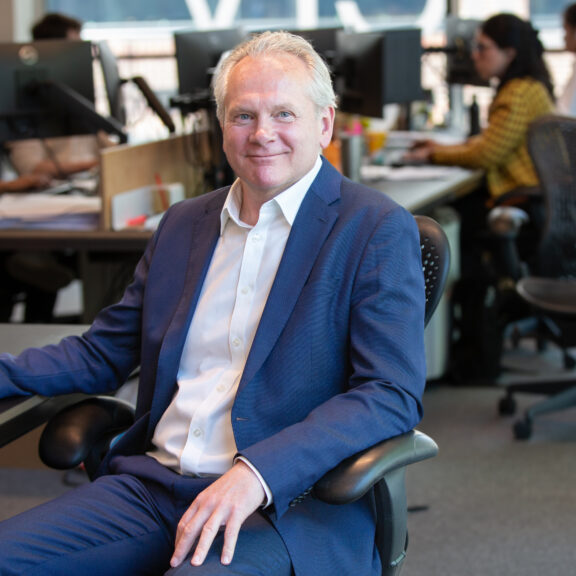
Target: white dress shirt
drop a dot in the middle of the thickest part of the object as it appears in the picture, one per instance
(194, 435)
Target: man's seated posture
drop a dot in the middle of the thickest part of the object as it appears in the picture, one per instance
(278, 325)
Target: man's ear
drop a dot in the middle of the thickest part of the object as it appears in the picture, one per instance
(327, 125)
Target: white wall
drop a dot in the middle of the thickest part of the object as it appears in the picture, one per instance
(17, 18)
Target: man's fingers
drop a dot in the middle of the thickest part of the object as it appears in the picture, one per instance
(227, 502)
(186, 534)
(207, 536)
(230, 539)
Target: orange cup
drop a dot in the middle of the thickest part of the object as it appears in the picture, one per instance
(375, 141)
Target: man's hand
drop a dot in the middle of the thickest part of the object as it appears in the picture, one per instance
(227, 502)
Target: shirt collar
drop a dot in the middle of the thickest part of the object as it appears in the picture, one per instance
(288, 201)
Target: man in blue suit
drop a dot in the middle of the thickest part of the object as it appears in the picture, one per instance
(278, 325)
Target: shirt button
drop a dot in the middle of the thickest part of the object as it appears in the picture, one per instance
(236, 342)
(197, 432)
(221, 388)
(244, 290)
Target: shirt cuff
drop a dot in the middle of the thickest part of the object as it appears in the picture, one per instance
(267, 490)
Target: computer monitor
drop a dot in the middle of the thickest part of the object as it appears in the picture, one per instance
(48, 90)
(460, 68)
(378, 68)
(198, 53)
(324, 41)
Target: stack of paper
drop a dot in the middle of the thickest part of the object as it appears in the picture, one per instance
(40, 210)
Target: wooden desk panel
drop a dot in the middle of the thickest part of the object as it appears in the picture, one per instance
(175, 159)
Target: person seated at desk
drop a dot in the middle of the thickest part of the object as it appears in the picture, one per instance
(57, 158)
(55, 26)
(279, 329)
(508, 50)
(63, 156)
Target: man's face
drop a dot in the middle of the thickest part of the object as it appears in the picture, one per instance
(273, 131)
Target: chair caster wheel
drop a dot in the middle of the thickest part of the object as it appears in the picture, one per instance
(507, 406)
(523, 429)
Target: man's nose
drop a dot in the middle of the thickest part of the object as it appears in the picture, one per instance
(263, 131)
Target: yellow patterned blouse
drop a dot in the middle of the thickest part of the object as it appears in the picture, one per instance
(501, 148)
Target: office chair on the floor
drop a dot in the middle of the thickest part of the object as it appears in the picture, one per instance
(552, 146)
(82, 433)
(555, 301)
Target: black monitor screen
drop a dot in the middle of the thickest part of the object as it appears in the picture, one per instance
(198, 53)
(324, 41)
(459, 65)
(378, 68)
(25, 70)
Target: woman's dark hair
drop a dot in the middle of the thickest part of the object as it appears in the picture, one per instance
(509, 31)
(569, 15)
(54, 26)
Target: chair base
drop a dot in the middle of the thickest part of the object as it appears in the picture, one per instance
(562, 395)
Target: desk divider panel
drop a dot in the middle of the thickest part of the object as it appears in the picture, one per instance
(181, 158)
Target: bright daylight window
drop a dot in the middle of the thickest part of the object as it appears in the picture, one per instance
(249, 11)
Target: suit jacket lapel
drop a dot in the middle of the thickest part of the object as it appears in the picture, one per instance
(204, 232)
(311, 227)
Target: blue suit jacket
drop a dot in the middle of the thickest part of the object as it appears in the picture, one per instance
(337, 363)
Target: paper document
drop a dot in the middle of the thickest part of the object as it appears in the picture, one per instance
(404, 138)
(373, 173)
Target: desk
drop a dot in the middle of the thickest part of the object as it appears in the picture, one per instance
(83, 240)
(106, 258)
(422, 196)
(20, 415)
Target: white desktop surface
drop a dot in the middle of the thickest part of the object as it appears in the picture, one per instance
(422, 194)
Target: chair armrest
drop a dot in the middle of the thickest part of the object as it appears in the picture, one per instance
(80, 431)
(353, 477)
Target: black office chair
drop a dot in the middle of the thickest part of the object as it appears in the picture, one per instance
(552, 146)
(82, 434)
(113, 84)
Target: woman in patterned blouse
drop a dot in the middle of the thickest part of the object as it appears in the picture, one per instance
(506, 50)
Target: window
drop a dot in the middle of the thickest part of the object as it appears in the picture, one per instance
(251, 13)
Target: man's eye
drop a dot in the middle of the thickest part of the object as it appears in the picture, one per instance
(285, 115)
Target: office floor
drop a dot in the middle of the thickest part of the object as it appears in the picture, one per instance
(495, 506)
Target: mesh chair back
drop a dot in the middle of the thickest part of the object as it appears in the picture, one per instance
(552, 147)
(435, 261)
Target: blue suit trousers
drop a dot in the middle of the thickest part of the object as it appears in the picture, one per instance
(124, 524)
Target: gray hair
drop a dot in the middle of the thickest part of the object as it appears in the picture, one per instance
(321, 89)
